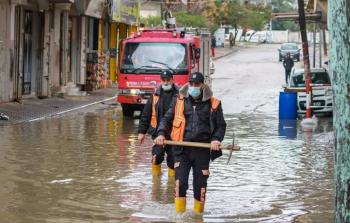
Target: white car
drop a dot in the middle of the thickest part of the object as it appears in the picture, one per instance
(322, 94)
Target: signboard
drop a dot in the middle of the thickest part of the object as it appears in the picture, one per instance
(126, 11)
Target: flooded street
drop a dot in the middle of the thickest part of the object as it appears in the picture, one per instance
(87, 166)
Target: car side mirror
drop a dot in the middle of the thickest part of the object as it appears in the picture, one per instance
(197, 53)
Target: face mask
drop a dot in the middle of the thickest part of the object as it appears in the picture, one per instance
(194, 91)
(166, 87)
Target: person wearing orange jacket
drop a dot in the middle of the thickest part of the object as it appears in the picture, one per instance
(194, 116)
(153, 112)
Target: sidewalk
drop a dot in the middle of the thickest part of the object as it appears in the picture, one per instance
(35, 109)
(221, 52)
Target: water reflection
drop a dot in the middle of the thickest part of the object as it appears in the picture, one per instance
(89, 167)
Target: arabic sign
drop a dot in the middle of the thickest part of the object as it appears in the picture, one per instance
(126, 11)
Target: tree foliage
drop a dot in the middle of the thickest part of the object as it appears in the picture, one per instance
(151, 21)
(190, 20)
(284, 6)
(231, 12)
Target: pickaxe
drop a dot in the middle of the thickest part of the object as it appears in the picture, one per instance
(231, 147)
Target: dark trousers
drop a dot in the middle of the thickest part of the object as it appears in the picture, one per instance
(287, 75)
(198, 160)
(158, 154)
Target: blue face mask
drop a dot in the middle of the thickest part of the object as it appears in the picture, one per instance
(166, 87)
(194, 91)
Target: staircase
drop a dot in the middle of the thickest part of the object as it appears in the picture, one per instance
(71, 89)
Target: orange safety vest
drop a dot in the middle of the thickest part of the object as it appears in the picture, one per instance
(154, 113)
(179, 122)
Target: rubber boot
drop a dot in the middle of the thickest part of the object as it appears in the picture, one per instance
(180, 204)
(156, 170)
(171, 172)
(198, 207)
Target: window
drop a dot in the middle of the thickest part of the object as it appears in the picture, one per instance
(317, 78)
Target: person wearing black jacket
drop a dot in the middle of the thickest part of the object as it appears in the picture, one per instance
(288, 64)
(194, 116)
(153, 112)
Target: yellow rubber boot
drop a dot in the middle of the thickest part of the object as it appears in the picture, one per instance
(156, 170)
(198, 207)
(171, 172)
(180, 204)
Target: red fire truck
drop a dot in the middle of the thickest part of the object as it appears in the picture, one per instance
(144, 55)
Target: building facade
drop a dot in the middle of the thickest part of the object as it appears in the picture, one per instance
(49, 47)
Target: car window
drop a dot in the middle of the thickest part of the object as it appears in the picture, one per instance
(289, 47)
(317, 78)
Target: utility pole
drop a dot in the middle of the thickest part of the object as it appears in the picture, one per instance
(339, 25)
(314, 47)
(306, 59)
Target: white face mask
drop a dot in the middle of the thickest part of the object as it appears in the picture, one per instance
(166, 87)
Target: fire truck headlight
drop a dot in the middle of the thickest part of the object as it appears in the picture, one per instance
(174, 34)
(134, 91)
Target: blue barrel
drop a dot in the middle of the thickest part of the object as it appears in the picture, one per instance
(288, 105)
(287, 129)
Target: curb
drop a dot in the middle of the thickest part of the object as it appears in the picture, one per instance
(36, 116)
(228, 53)
(70, 110)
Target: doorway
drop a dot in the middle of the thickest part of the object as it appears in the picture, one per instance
(27, 53)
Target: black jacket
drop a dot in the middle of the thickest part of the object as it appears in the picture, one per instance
(163, 102)
(288, 63)
(213, 42)
(202, 125)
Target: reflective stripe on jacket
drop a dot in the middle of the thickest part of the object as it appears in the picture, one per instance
(179, 122)
(154, 112)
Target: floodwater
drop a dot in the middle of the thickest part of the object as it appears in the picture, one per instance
(88, 167)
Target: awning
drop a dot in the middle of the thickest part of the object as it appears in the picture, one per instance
(95, 8)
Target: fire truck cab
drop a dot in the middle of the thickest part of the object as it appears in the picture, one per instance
(146, 54)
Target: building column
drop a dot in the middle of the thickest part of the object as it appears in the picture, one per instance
(65, 44)
(113, 49)
(45, 89)
(58, 72)
(16, 46)
(82, 49)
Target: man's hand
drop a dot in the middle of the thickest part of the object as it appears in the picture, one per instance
(159, 140)
(141, 138)
(215, 145)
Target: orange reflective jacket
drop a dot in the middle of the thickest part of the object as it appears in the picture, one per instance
(179, 122)
(154, 113)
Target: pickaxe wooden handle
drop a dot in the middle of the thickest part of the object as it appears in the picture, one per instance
(201, 145)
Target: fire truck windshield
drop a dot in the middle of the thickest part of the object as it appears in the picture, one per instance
(154, 58)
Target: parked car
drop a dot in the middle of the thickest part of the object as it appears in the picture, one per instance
(322, 94)
(291, 48)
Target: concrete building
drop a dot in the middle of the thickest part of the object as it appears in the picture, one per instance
(151, 8)
(45, 45)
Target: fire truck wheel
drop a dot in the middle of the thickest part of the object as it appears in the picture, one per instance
(128, 111)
